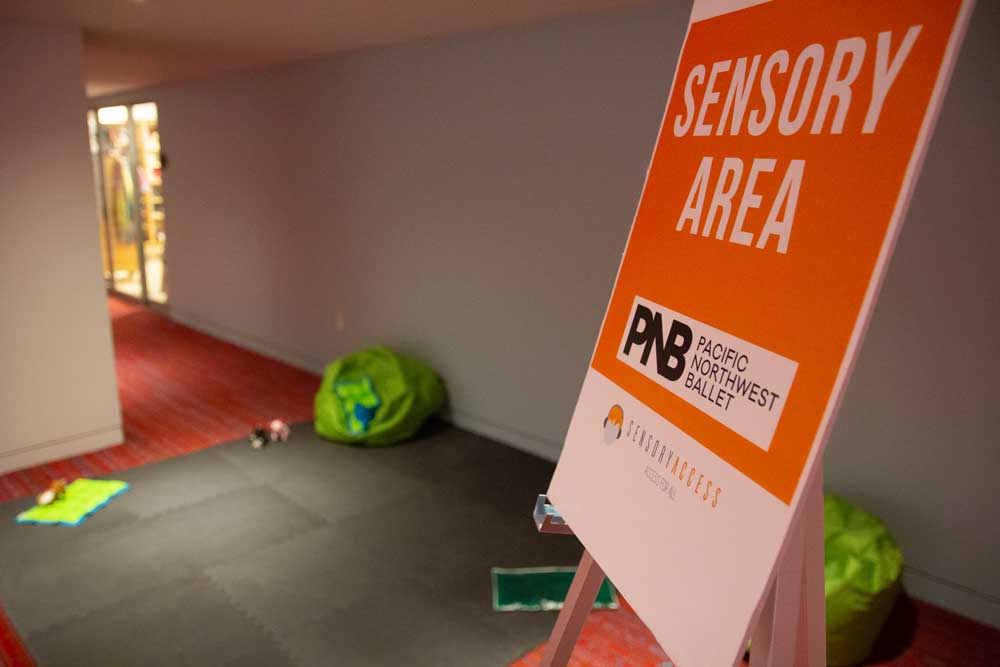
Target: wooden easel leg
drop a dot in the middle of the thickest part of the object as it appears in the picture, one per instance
(812, 620)
(791, 629)
(579, 601)
(776, 633)
(760, 649)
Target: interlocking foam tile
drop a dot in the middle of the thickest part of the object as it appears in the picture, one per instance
(188, 621)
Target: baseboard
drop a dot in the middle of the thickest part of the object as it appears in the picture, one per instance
(978, 606)
(249, 342)
(60, 448)
(526, 442)
(541, 447)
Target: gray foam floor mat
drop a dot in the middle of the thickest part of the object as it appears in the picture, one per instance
(305, 553)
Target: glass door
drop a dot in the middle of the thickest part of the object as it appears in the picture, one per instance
(128, 175)
(149, 171)
(120, 201)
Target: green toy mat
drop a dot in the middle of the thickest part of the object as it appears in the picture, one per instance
(83, 497)
(541, 589)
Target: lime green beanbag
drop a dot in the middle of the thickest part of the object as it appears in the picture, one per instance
(863, 567)
(376, 397)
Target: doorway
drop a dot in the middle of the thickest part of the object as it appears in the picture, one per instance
(128, 177)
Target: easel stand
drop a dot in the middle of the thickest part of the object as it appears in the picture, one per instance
(790, 627)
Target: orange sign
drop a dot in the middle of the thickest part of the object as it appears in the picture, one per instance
(786, 157)
(778, 168)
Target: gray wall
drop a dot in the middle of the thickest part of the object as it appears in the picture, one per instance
(426, 193)
(58, 395)
(916, 439)
(467, 199)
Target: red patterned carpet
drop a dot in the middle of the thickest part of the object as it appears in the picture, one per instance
(917, 634)
(182, 391)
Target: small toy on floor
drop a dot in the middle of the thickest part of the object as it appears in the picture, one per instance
(56, 490)
(264, 434)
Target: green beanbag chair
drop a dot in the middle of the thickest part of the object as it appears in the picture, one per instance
(376, 397)
(863, 568)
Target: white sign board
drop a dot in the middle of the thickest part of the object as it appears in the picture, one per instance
(788, 151)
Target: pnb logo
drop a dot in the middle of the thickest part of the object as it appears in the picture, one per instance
(613, 424)
(646, 332)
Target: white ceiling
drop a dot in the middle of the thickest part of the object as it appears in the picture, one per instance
(139, 43)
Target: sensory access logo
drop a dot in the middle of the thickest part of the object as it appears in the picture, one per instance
(666, 465)
(613, 424)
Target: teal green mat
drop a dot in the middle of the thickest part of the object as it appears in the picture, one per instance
(83, 498)
(541, 589)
